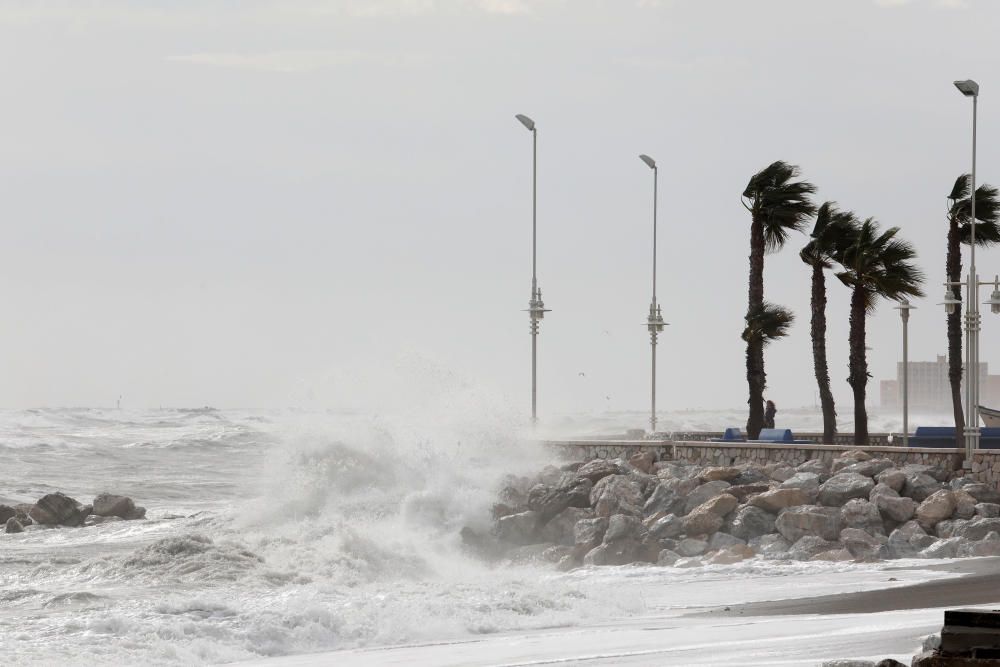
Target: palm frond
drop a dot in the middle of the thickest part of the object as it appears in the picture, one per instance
(767, 323)
(881, 264)
(779, 202)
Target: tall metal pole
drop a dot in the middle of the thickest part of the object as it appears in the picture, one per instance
(536, 308)
(905, 313)
(654, 322)
(972, 317)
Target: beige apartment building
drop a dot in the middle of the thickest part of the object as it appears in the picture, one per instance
(929, 387)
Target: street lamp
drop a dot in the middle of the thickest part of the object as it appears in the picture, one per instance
(654, 322)
(536, 308)
(904, 309)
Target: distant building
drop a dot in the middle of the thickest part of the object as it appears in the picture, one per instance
(929, 388)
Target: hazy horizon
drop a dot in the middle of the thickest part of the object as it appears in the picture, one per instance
(327, 204)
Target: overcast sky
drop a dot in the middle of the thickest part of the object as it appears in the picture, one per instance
(315, 203)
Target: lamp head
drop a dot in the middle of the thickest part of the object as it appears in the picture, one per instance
(527, 122)
(969, 88)
(950, 303)
(649, 161)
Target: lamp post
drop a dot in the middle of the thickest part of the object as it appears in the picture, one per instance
(536, 308)
(904, 309)
(654, 321)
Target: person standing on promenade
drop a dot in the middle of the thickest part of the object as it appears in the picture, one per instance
(769, 411)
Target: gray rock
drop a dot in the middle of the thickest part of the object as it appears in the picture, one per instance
(806, 481)
(894, 479)
(745, 491)
(899, 509)
(795, 523)
(862, 545)
(706, 491)
(844, 486)
(722, 541)
(808, 546)
(848, 663)
(13, 525)
(782, 473)
(691, 547)
(7, 512)
(864, 515)
(988, 510)
(977, 529)
(949, 528)
(988, 546)
(520, 529)
(983, 493)
(715, 474)
(669, 526)
(561, 529)
(623, 527)
(598, 469)
(138, 513)
(920, 486)
(107, 504)
(667, 557)
(616, 494)
(750, 475)
(614, 553)
(965, 505)
(689, 562)
(749, 522)
(589, 533)
(670, 496)
(702, 521)
(870, 468)
(881, 489)
(818, 466)
(643, 461)
(57, 509)
(772, 546)
(947, 548)
(908, 540)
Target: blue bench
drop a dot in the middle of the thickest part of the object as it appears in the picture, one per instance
(944, 437)
(731, 435)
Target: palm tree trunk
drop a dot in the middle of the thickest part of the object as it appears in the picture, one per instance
(820, 367)
(858, 365)
(953, 267)
(756, 377)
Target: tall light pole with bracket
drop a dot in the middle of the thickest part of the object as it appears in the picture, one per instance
(654, 321)
(536, 308)
(904, 309)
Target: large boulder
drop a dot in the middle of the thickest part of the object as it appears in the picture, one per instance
(744, 491)
(935, 508)
(870, 468)
(988, 510)
(808, 546)
(749, 522)
(883, 490)
(12, 525)
(863, 515)
(795, 523)
(782, 472)
(806, 481)
(616, 494)
(772, 546)
(7, 512)
(983, 493)
(908, 541)
(107, 504)
(721, 504)
(58, 509)
(920, 486)
(863, 545)
(733, 553)
(643, 462)
(702, 521)
(561, 529)
(670, 496)
(988, 546)
(589, 533)
(704, 492)
(542, 498)
(715, 474)
(624, 527)
(520, 529)
(818, 466)
(965, 505)
(899, 508)
(723, 541)
(691, 547)
(779, 499)
(667, 557)
(667, 527)
(946, 548)
(598, 469)
(894, 479)
(750, 475)
(949, 527)
(977, 528)
(844, 486)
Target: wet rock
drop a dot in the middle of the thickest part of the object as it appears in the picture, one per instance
(13, 525)
(723, 541)
(965, 505)
(836, 555)
(716, 474)
(894, 479)
(589, 533)
(988, 546)
(795, 523)
(772, 546)
(920, 486)
(733, 553)
(983, 493)
(689, 562)
(862, 545)
(988, 510)
(749, 522)
(562, 528)
(908, 540)
(702, 521)
(949, 528)
(138, 513)
(106, 504)
(848, 663)
(598, 469)
(616, 494)
(667, 557)
(844, 486)
(779, 499)
(623, 527)
(520, 529)
(864, 515)
(670, 496)
(899, 509)
(669, 526)
(704, 492)
(808, 546)
(57, 509)
(936, 507)
(7, 512)
(691, 547)
(947, 548)
(977, 529)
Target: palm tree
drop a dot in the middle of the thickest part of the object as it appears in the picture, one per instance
(959, 232)
(777, 204)
(874, 265)
(832, 232)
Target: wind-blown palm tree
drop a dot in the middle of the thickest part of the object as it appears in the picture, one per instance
(874, 265)
(833, 231)
(778, 204)
(959, 232)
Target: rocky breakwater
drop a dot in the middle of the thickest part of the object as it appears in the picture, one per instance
(853, 508)
(57, 509)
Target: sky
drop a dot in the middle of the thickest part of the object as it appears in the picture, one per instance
(327, 203)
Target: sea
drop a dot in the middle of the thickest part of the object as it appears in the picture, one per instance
(281, 537)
